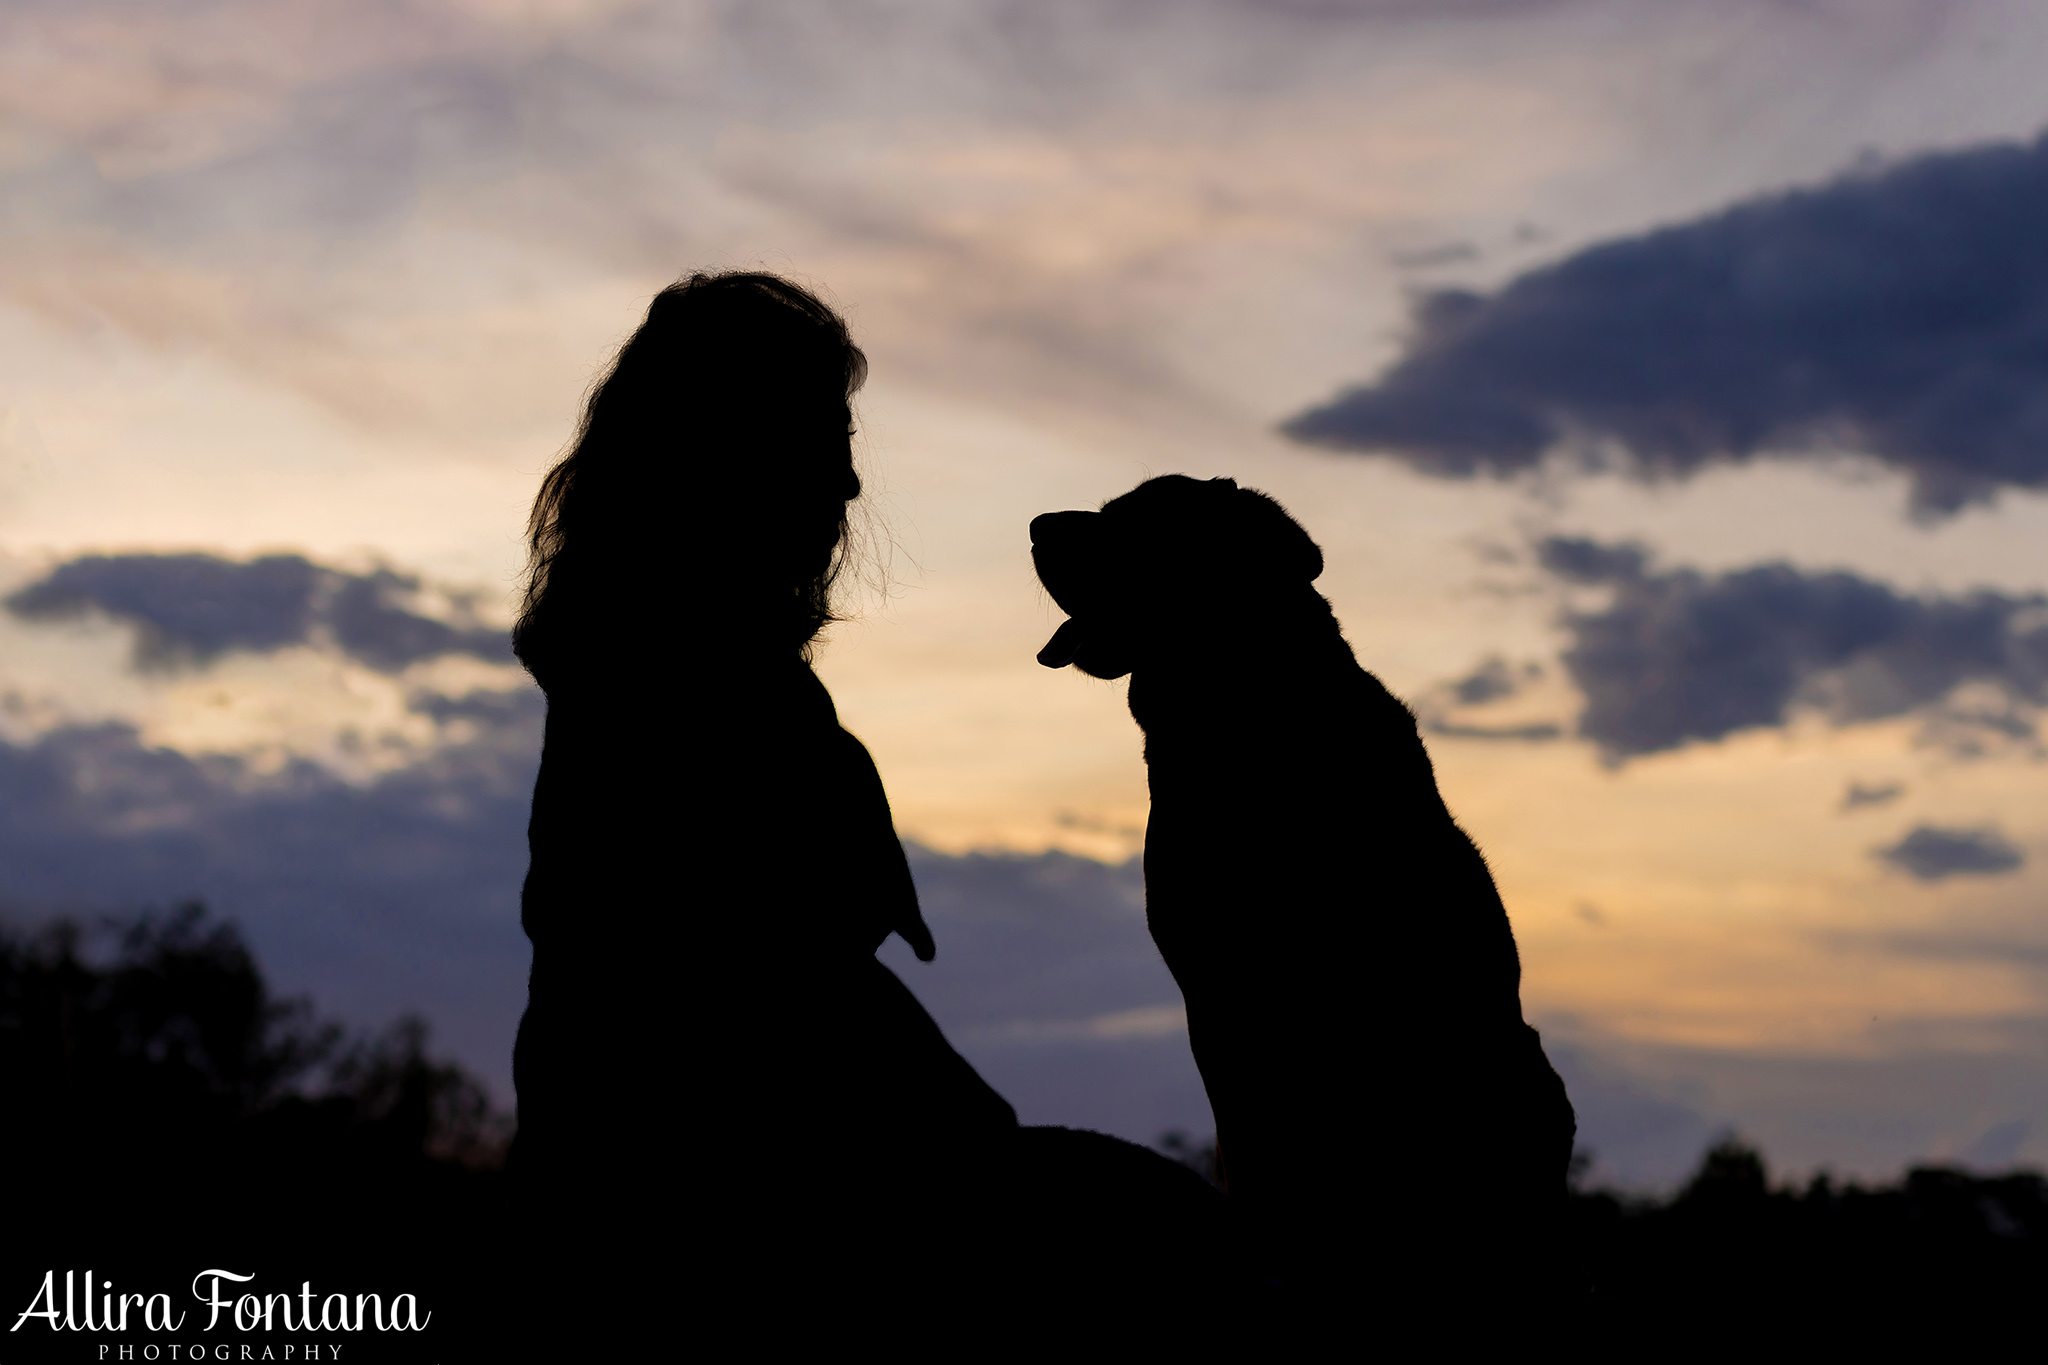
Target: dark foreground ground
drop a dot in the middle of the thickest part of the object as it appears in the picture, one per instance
(1942, 1258)
(161, 1116)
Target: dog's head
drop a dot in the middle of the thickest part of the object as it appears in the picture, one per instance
(1162, 562)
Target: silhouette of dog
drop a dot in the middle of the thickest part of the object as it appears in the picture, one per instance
(1352, 984)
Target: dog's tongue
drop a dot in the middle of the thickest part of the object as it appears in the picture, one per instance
(1065, 643)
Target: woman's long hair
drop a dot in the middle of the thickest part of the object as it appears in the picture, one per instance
(707, 487)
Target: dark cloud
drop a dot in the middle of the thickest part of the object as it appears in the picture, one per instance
(1436, 257)
(398, 895)
(1637, 1139)
(1577, 560)
(1491, 681)
(1047, 980)
(402, 894)
(1902, 311)
(1997, 1148)
(368, 622)
(1913, 1099)
(1930, 853)
(1859, 795)
(190, 609)
(1495, 679)
(1038, 939)
(1535, 732)
(498, 710)
(185, 608)
(1680, 655)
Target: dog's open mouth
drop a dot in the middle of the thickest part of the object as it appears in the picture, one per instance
(1065, 643)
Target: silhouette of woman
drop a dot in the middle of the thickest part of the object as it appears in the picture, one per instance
(713, 859)
(716, 1079)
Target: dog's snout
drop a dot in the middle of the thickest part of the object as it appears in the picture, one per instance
(1052, 527)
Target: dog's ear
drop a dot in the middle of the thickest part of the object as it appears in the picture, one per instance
(1277, 544)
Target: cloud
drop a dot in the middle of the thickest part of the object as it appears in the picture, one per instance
(1048, 981)
(1679, 655)
(1441, 709)
(189, 609)
(1491, 681)
(430, 220)
(403, 894)
(1535, 732)
(1038, 938)
(1902, 312)
(1577, 560)
(1860, 794)
(1997, 1148)
(1929, 853)
(398, 889)
(398, 894)
(1638, 1139)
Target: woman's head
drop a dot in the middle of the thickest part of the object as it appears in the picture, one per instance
(714, 463)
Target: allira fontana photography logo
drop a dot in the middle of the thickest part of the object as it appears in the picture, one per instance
(296, 1325)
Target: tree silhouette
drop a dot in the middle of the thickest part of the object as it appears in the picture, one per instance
(162, 1111)
(165, 1112)
(1733, 1260)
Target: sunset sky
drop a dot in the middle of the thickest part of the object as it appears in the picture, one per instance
(1704, 527)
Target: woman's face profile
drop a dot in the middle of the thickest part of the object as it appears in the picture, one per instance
(804, 480)
(731, 403)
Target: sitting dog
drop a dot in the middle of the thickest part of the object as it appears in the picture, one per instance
(1384, 1115)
